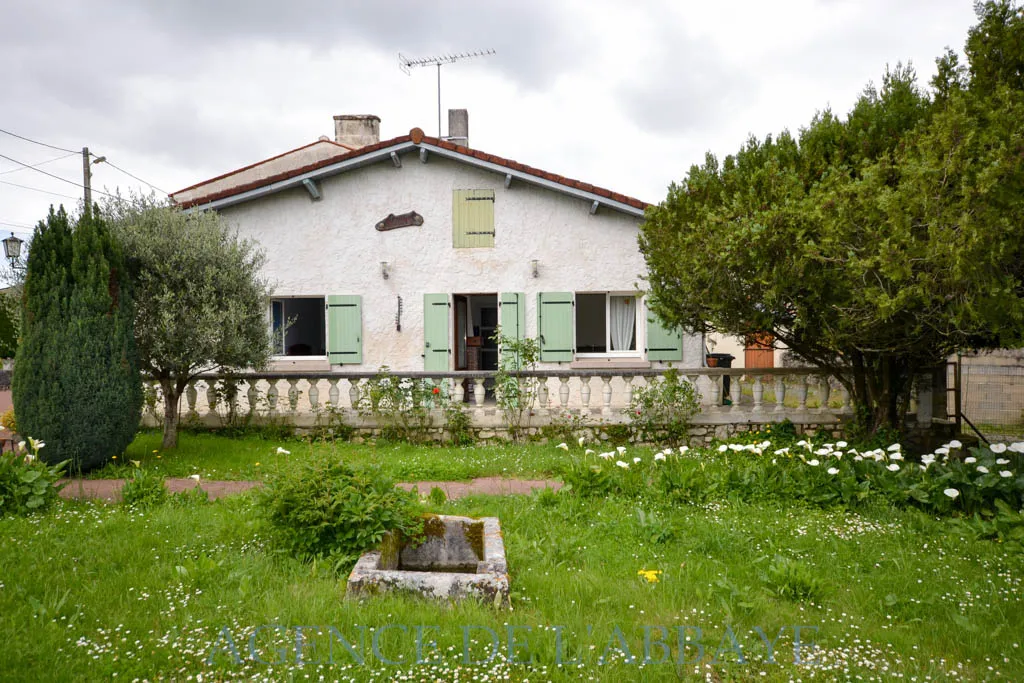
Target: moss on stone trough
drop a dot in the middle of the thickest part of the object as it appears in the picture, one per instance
(459, 557)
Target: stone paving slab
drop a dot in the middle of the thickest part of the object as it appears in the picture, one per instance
(110, 489)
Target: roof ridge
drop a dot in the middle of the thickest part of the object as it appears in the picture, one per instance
(417, 137)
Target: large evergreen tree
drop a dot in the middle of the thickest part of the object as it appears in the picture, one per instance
(872, 245)
(76, 381)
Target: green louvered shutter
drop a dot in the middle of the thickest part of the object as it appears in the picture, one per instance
(513, 322)
(435, 332)
(662, 343)
(554, 326)
(472, 218)
(345, 329)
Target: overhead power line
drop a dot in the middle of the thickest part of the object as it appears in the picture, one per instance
(145, 182)
(48, 161)
(39, 170)
(37, 189)
(36, 142)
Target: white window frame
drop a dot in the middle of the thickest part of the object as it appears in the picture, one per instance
(275, 356)
(638, 331)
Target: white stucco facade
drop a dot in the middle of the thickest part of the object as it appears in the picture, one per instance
(329, 246)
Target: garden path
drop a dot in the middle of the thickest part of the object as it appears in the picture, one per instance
(110, 489)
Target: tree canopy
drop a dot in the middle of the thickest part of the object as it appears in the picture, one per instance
(201, 298)
(872, 245)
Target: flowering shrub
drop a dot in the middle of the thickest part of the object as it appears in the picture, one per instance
(27, 484)
(143, 489)
(401, 406)
(987, 483)
(661, 410)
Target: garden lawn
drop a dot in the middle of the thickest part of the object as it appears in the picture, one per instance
(214, 456)
(90, 592)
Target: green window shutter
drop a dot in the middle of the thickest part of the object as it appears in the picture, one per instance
(662, 343)
(512, 306)
(472, 218)
(435, 333)
(554, 326)
(345, 329)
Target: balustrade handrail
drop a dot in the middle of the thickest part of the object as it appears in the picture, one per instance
(487, 374)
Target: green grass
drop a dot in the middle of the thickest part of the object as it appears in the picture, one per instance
(89, 591)
(214, 456)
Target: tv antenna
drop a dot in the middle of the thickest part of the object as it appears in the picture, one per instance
(405, 64)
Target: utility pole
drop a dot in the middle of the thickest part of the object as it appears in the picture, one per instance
(87, 181)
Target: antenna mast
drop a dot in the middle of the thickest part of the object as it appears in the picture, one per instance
(405, 64)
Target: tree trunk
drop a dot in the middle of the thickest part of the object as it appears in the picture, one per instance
(172, 397)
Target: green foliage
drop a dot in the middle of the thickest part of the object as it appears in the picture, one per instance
(10, 321)
(515, 392)
(143, 489)
(201, 300)
(661, 410)
(872, 245)
(76, 379)
(331, 425)
(565, 426)
(458, 425)
(27, 484)
(793, 580)
(401, 406)
(437, 497)
(653, 527)
(324, 508)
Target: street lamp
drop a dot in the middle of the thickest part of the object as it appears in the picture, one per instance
(12, 250)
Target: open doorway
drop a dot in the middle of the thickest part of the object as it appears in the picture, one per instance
(475, 320)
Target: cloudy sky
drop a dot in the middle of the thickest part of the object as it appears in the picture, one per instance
(622, 94)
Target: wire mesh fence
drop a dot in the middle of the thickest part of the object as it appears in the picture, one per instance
(992, 393)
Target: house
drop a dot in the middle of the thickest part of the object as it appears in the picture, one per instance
(410, 252)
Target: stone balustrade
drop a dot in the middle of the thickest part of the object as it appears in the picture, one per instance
(728, 396)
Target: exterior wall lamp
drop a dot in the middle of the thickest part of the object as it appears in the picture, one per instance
(385, 270)
(534, 268)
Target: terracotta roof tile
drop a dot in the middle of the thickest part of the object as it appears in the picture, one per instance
(346, 154)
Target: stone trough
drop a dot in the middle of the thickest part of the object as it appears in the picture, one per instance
(460, 558)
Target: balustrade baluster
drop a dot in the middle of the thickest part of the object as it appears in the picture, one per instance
(191, 394)
(801, 394)
(824, 392)
(478, 393)
(563, 392)
(585, 392)
(252, 395)
(542, 392)
(758, 392)
(353, 393)
(313, 393)
(293, 394)
(628, 379)
(716, 396)
(606, 394)
(272, 395)
(780, 393)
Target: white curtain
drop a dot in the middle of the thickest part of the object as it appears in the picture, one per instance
(622, 321)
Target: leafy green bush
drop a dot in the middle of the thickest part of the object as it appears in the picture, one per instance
(143, 490)
(323, 508)
(458, 425)
(661, 409)
(27, 484)
(793, 580)
(515, 393)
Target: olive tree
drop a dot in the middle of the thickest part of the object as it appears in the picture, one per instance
(201, 299)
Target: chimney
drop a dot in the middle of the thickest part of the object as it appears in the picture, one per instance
(357, 130)
(458, 126)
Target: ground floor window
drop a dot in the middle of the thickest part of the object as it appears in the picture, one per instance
(606, 323)
(298, 326)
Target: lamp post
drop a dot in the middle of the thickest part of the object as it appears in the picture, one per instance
(12, 250)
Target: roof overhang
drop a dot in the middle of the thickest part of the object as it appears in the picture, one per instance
(386, 154)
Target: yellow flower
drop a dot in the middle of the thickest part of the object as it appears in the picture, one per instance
(257, 464)
(113, 457)
(155, 451)
(651, 575)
